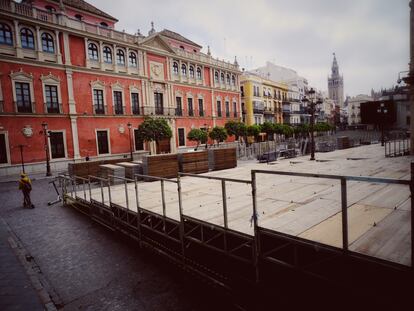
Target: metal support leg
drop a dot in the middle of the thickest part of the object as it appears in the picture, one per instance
(344, 215)
(180, 208)
(256, 248)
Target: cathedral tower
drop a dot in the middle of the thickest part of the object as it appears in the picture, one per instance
(336, 84)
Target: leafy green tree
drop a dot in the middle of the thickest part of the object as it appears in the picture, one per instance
(197, 135)
(268, 128)
(322, 127)
(236, 128)
(287, 130)
(218, 134)
(154, 129)
(253, 130)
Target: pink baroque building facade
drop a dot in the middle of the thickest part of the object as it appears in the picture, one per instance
(64, 65)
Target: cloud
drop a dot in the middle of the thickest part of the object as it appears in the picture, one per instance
(370, 37)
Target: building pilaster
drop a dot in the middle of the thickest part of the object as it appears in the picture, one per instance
(58, 53)
(66, 49)
(18, 42)
(71, 97)
(75, 137)
(39, 44)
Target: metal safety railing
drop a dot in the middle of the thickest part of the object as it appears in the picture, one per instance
(344, 200)
(397, 147)
(223, 190)
(78, 185)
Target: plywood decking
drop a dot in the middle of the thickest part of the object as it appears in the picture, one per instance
(378, 214)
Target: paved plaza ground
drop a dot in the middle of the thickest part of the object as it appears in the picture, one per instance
(82, 266)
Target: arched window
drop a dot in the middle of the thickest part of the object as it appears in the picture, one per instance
(133, 59)
(175, 68)
(93, 51)
(233, 80)
(183, 69)
(103, 24)
(216, 77)
(228, 79)
(107, 55)
(6, 36)
(222, 77)
(120, 57)
(78, 17)
(191, 71)
(48, 45)
(199, 73)
(27, 38)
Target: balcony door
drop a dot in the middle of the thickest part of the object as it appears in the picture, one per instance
(159, 104)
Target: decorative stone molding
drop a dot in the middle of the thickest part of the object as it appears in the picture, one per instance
(117, 86)
(179, 93)
(50, 78)
(97, 84)
(27, 131)
(156, 71)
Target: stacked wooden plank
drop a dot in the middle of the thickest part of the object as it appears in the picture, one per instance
(109, 170)
(193, 162)
(131, 168)
(83, 169)
(342, 142)
(161, 165)
(221, 159)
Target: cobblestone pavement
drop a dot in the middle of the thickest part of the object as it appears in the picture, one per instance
(86, 267)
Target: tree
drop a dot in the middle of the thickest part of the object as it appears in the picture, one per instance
(218, 134)
(236, 128)
(197, 135)
(154, 129)
(287, 130)
(268, 128)
(253, 130)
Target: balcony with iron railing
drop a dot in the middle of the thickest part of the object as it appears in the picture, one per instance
(32, 12)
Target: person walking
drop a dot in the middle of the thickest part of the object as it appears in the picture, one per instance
(25, 185)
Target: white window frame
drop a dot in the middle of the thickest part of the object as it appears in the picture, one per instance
(55, 81)
(22, 77)
(109, 142)
(98, 85)
(135, 89)
(64, 145)
(54, 42)
(6, 140)
(118, 87)
(178, 138)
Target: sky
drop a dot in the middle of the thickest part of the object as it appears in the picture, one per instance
(370, 37)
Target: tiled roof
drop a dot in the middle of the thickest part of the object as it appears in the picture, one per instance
(176, 36)
(84, 6)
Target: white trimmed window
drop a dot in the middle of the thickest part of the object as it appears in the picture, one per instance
(107, 55)
(27, 38)
(103, 144)
(4, 148)
(93, 51)
(133, 62)
(135, 103)
(57, 144)
(98, 97)
(23, 94)
(120, 57)
(48, 43)
(6, 34)
(118, 98)
(51, 94)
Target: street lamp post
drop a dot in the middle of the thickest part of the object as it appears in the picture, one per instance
(46, 135)
(130, 143)
(382, 110)
(311, 103)
(21, 155)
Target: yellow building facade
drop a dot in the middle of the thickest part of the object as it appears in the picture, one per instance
(261, 99)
